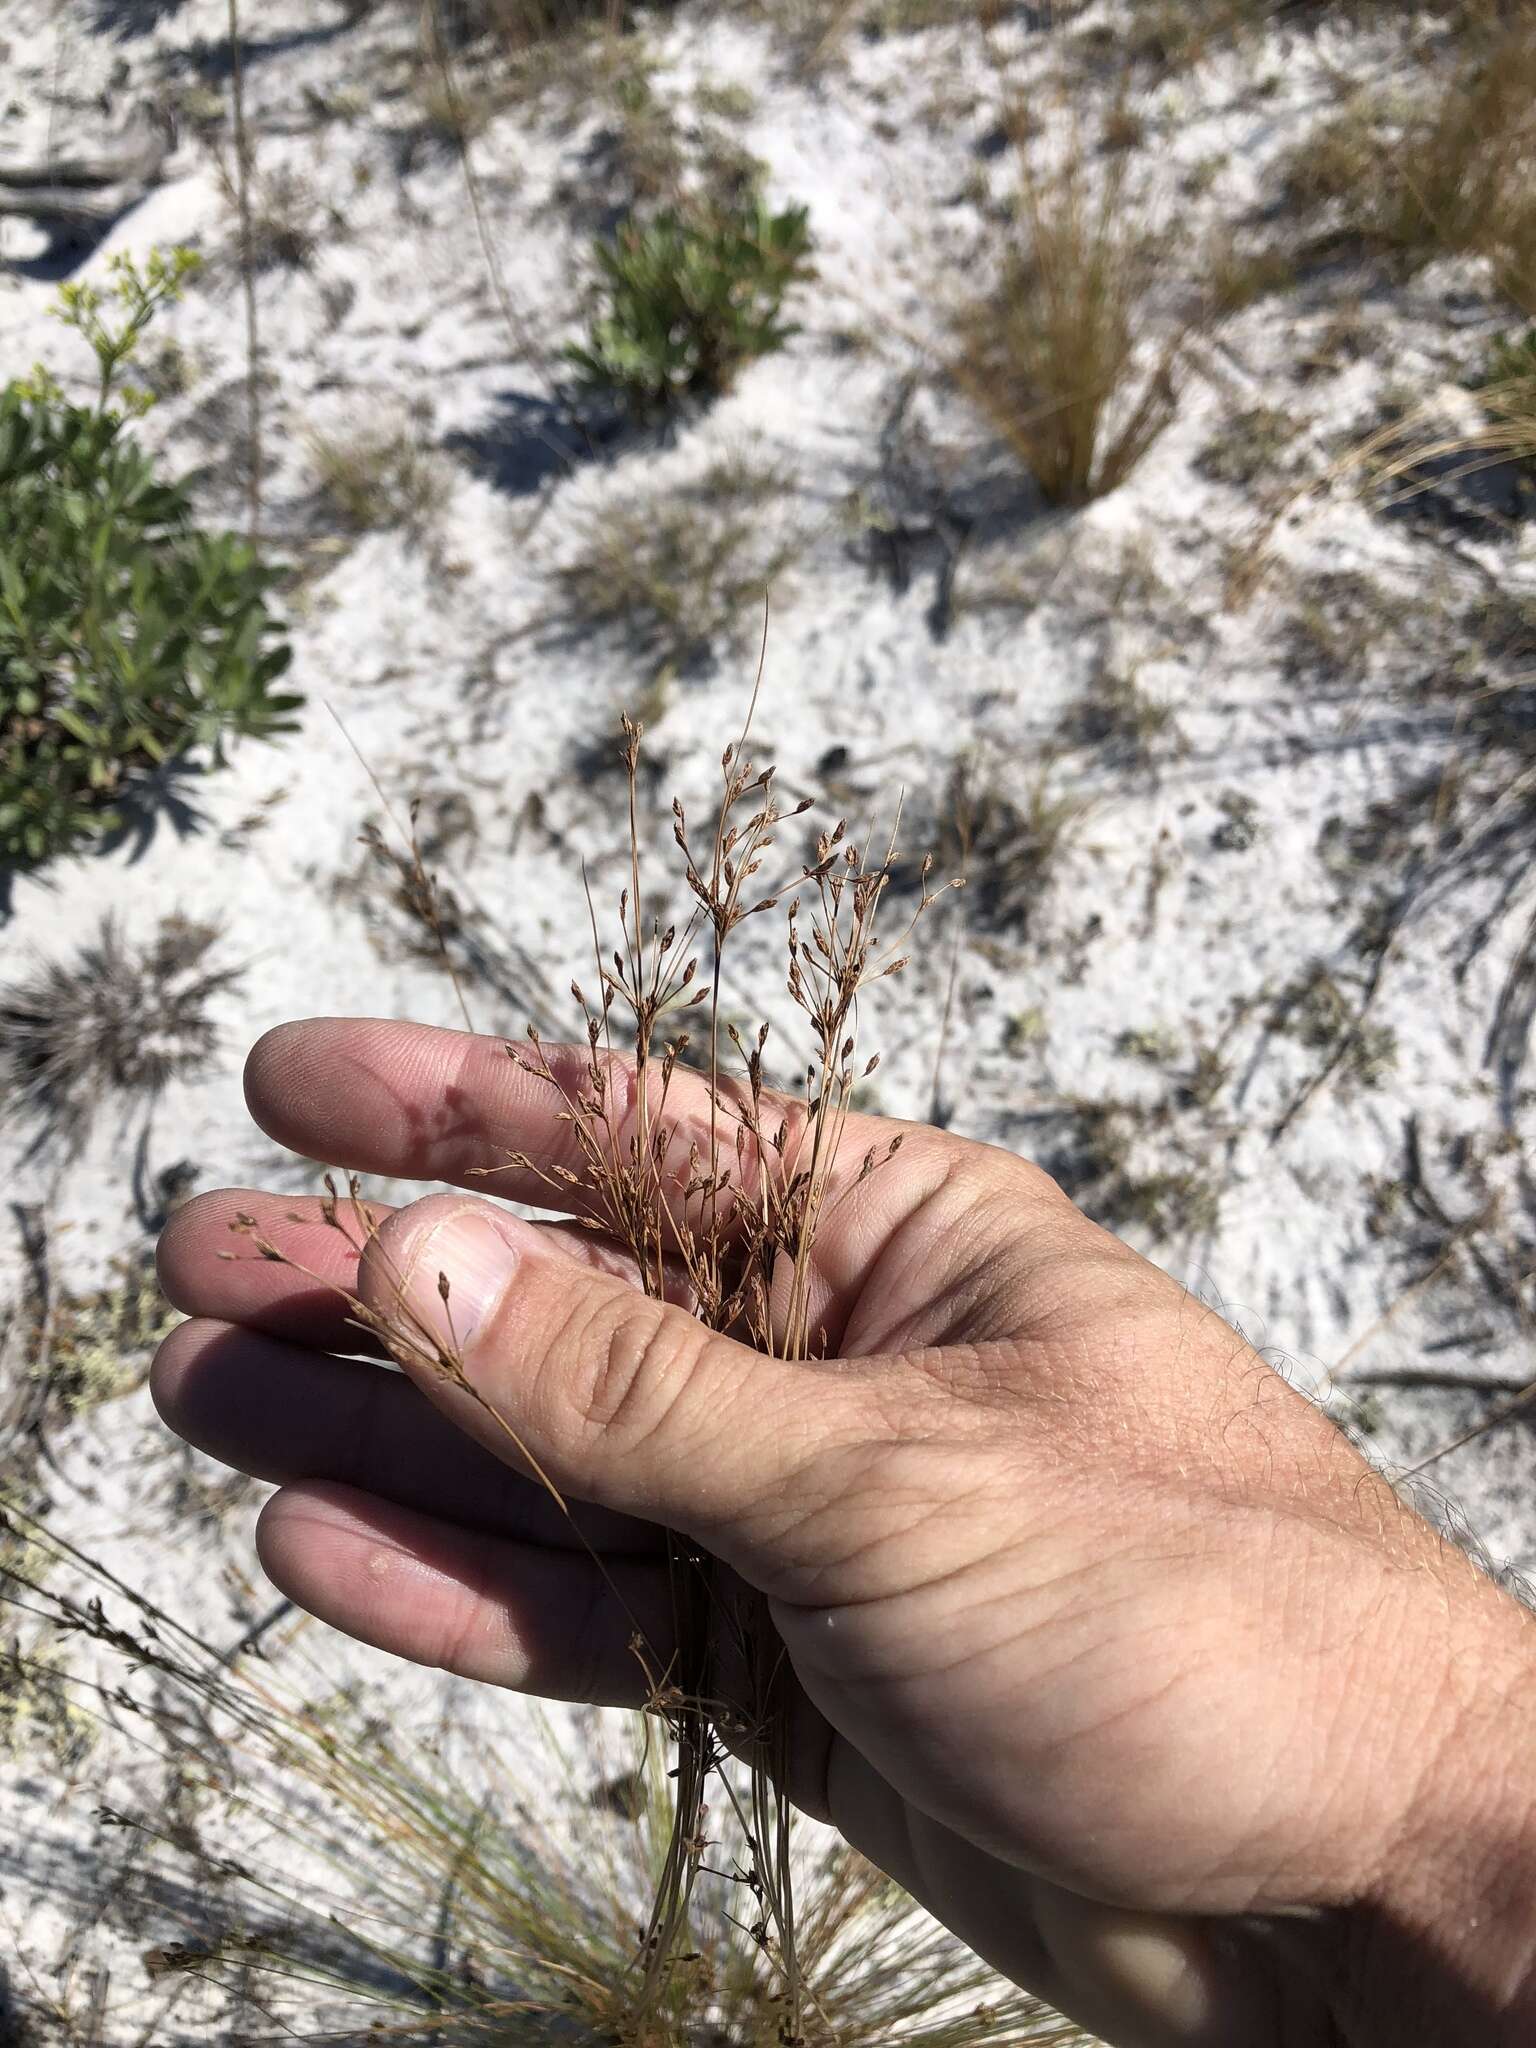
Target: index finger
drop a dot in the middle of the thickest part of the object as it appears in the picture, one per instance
(413, 1101)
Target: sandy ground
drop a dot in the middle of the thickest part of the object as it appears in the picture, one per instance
(1333, 1215)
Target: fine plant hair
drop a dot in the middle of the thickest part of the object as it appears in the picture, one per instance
(733, 1196)
(395, 1886)
(116, 1020)
(1056, 356)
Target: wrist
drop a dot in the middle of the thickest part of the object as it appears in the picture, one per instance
(1442, 1950)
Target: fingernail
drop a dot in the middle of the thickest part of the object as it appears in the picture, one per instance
(458, 1274)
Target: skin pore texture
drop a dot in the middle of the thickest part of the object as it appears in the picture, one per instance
(1106, 1644)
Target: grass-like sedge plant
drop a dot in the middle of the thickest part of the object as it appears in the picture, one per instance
(355, 1876)
(732, 1199)
(1062, 357)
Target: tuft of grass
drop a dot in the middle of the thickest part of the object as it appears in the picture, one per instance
(678, 577)
(1449, 171)
(1247, 447)
(287, 217)
(1341, 623)
(117, 1020)
(441, 1890)
(450, 111)
(1318, 1012)
(1169, 36)
(372, 478)
(1096, 1162)
(1120, 720)
(1025, 1029)
(91, 1346)
(1238, 273)
(1005, 846)
(1154, 1044)
(1061, 356)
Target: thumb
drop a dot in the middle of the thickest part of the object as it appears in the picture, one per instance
(569, 1372)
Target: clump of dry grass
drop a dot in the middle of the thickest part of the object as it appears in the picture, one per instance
(1063, 356)
(287, 216)
(474, 58)
(1119, 719)
(346, 1879)
(117, 1020)
(374, 477)
(1168, 36)
(1449, 170)
(1005, 844)
(678, 577)
(516, 23)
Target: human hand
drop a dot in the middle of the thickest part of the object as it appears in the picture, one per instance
(1107, 1645)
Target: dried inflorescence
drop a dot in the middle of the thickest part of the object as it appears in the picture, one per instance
(727, 1183)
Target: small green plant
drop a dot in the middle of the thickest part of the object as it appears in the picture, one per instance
(1025, 1029)
(1511, 365)
(129, 637)
(112, 323)
(1154, 1044)
(1508, 391)
(687, 299)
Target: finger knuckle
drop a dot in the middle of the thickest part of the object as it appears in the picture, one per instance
(636, 1361)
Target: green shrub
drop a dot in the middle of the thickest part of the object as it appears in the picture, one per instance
(688, 298)
(129, 637)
